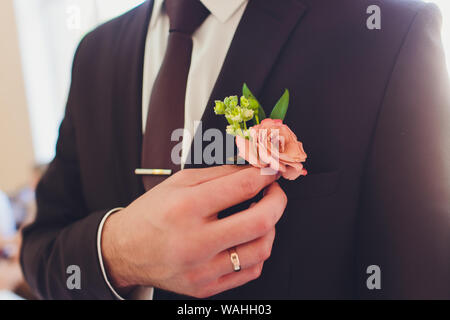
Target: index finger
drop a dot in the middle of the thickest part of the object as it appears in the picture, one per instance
(219, 194)
(192, 177)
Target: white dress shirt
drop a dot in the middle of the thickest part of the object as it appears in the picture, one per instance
(211, 42)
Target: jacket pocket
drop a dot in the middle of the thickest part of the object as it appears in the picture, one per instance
(313, 185)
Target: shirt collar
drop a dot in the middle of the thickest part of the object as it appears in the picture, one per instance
(156, 12)
(221, 9)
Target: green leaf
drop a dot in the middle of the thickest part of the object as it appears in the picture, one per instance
(246, 92)
(260, 114)
(280, 109)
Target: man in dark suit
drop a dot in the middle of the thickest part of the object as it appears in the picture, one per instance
(371, 107)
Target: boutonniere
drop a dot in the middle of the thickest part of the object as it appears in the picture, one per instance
(264, 142)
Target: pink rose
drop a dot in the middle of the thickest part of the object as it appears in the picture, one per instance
(273, 145)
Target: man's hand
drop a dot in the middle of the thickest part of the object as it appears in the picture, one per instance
(171, 238)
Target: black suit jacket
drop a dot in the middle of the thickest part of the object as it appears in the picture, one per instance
(371, 107)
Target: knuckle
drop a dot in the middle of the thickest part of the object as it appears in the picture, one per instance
(272, 235)
(266, 220)
(183, 205)
(269, 246)
(265, 251)
(249, 187)
(256, 272)
(189, 205)
(174, 207)
(267, 224)
(275, 213)
(284, 199)
(264, 224)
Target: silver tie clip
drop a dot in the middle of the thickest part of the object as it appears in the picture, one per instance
(153, 172)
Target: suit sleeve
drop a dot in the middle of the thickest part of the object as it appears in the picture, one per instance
(404, 226)
(64, 233)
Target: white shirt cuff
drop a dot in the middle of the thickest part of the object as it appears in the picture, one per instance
(140, 293)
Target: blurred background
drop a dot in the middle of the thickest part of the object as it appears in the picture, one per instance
(39, 38)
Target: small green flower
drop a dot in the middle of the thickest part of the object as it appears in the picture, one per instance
(246, 114)
(226, 101)
(233, 101)
(237, 114)
(234, 112)
(231, 130)
(244, 102)
(220, 107)
(234, 116)
(234, 129)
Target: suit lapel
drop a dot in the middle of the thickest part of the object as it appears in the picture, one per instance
(127, 104)
(263, 30)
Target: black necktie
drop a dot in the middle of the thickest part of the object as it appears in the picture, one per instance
(166, 109)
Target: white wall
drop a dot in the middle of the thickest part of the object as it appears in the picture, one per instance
(49, 32)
